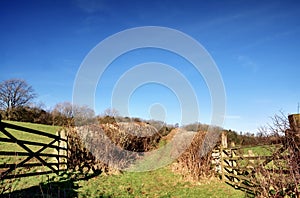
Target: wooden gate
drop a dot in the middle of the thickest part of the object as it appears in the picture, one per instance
(31, 157)
(238, 168)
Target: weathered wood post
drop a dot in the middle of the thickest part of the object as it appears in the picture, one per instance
(294, 120)
(223, 146)
(224, 139)
(234, 165)
(58, 151)
(293, 139)
(65, 146)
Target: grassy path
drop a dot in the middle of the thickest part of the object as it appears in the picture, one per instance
(158, 183)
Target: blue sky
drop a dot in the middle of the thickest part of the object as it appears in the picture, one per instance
(255, 45)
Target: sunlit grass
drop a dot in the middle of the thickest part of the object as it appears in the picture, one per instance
(4, 146)
(159, 183)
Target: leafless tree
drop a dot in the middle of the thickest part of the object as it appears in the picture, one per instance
(66, 113)
(15, 93)
(64, 109)
(111, 112)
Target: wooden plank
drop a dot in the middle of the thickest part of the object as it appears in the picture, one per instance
(241, 169)
(247, 158)
(240, 177)
(29, 174)
(30, 165)
(241, 185)
(31, 143)
(14, 153)
(28, 130)
(226, 152)
(30, 152)
(222, 164)
(255, 145)
(277, 153)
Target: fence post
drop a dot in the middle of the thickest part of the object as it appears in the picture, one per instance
(224, 139)
(66, 151)
(58, 153)
(234, 164)
(67, 146)
(223, 146)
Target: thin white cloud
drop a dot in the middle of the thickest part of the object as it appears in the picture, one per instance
(91, 6)
(248, 63)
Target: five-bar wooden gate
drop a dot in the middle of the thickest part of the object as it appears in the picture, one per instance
(31, 157)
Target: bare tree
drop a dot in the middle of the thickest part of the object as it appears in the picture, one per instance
(15, 93)
(65, 109)
(66, 113)
(111, 112)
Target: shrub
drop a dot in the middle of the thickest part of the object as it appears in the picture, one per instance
(107, 147)
(281, 178)
(195, 162)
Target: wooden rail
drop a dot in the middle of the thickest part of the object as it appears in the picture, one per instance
(238, 169)
(55, 161)
(235, 168)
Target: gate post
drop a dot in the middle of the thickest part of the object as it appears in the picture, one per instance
(58, 153)
(223, 146)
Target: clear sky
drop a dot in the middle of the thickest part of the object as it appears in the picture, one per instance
(255, 44)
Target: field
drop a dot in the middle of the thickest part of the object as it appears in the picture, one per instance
(159, 183)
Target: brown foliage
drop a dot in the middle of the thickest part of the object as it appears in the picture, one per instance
(193, 163)
(80, 159)
(108, 147)
(282, 179)
(138, 137)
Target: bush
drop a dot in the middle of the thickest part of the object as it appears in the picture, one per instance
(195, 162)
(109, 147)
(282, 177)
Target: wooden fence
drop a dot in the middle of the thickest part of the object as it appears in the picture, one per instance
(31, 157)
(237, 166)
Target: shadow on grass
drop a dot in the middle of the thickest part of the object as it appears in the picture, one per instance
(64, 186)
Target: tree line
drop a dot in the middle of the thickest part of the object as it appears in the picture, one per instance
(17, 104)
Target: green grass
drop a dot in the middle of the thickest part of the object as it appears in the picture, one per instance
(159, 183)
(266, 150)
(41, 127)
(27, 136)
(4, 146)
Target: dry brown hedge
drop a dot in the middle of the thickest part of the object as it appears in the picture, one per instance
(109, 146)
(195, 162)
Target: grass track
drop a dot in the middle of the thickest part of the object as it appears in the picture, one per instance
(158, 183)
